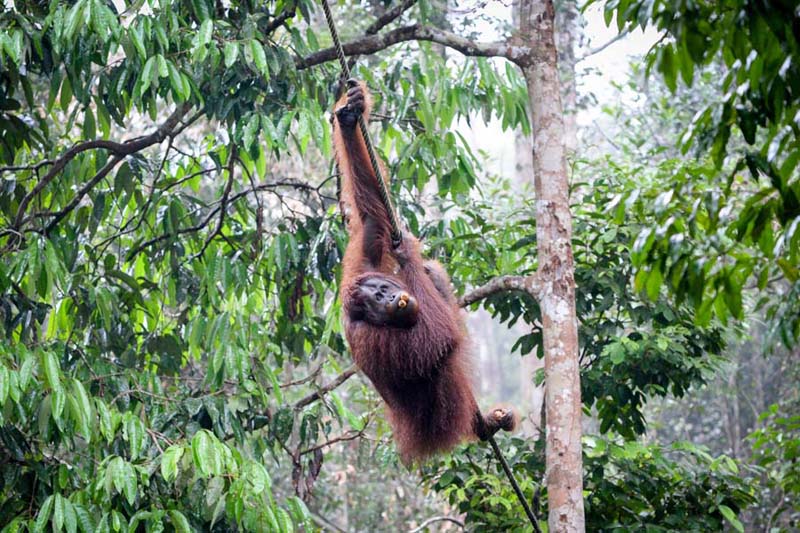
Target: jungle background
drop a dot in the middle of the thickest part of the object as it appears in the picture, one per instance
(172, 354)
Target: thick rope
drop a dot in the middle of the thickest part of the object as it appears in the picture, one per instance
(513, 481)
(397, 236)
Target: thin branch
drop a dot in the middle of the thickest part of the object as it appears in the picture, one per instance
(258, 241)
(34, 167)
(283, 183)
(435, 519)
(389, 17)
(182, 231)
(125, 230)
(288, 12)
(310, 377)
(119, 149)
(325, 389)
(223, 206)
(154, 437)
(59, 215)
(369, 44)
(324, 522)
(602, 47)
(381, 22)
(350, 435)
(233, 198)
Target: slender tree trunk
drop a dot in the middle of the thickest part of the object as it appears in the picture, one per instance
(566, 27)
(555, 277)
(532, 414)
(532, 422)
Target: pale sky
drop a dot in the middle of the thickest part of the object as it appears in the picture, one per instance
(609, 65)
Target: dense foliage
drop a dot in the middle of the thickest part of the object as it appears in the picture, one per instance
(726, 232)
(746, 125)
(171, 353)
(167, 290)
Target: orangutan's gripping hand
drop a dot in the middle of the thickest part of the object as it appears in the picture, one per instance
(356, 103)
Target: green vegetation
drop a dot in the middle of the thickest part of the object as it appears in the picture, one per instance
(171, 350)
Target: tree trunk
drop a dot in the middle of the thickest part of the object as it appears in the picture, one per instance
(566, 27)
(555, 276)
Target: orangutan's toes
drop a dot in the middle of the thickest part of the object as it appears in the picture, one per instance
(503, 418)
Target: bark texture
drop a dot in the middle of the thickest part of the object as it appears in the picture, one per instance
(566, 26)
(556, 282)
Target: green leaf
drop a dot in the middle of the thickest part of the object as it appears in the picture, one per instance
(70, 517)
(346, 413)
(250, 132)
(284, 520)
(26, 370)
(654, 281)
(730, 516)
(13, 527)
(163, 69)
(148, 74)
(124, 478)
(5, 384)
(136, 36)
(53, 377)
(272, 521)
(74, 19)
(103, 117)
(231, 52)
(259, 57)
(299, 511)
(44, 514)
(789, 270)
(668, 67)
(133, 431)
(106, 420)
(83, 518)
(85, 412)
(169, 461)
(139, 516)
(89, 127)
(616, 352)
(176, 82)
(179, 522)
(66, 94)
(202, 40)
(58, 513)
(205, 453)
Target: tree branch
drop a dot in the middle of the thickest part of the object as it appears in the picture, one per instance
(526, 284)
(325, 389)
(369, 44)
(288, 12)
(231, 199)
(324, 522)
(389, 17)
(102, 173)
(602, 47)
(223, 206)
(435, 519)
(119, 149)
(34, 167)
(181, 231)
(350, 435)
(381, 22)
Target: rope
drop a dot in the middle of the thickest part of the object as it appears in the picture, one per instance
(397, 236)
(513, 481)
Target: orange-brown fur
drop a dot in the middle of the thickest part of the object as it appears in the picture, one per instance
(422, 372)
